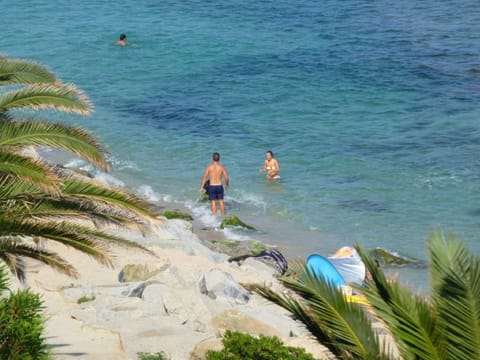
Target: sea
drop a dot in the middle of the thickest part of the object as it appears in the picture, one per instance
(372, 109)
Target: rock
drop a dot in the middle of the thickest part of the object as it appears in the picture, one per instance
(123, 290)
(218, 284)
(175, 214)
(390, 258)
(139, 272)
(201, 349)
(235, 320)
(233, 220)
(153, 297)
(255, 265)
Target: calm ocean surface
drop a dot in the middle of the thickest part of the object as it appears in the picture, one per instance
(371, 107)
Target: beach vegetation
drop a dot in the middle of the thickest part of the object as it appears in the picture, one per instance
(445, 325)
(152, 356)
(39, 201)
(240, 346)
(85, 299)
(21, 323)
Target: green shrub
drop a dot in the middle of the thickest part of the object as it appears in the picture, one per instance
(148, 356)
(238, 346)
(21, 327)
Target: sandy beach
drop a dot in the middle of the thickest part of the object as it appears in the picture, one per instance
(178, 301)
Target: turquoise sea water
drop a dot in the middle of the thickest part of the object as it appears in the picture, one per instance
(371, 107)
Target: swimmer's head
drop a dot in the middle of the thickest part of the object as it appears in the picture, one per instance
(270, 153)
(123, 37)
(216, 156)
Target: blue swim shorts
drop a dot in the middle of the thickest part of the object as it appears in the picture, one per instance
(215, 192)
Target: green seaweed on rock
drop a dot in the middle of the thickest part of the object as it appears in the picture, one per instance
(233, 220)
(176, 214)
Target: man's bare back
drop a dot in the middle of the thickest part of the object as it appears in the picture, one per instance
(215, 172)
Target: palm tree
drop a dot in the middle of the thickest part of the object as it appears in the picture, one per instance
(41, 201)
(444, 326)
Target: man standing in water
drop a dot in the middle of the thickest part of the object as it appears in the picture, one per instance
(215, 172)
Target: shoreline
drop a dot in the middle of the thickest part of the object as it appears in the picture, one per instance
(178, 300)
(183, 300)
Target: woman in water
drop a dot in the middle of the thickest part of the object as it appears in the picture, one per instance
(271, 166)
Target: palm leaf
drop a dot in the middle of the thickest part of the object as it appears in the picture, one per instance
(12, 251)
(116, 198)
(347, 321)
(41, 133)
(63, 208)
(338, 324)
(410, 319)
(301, 313)
(30, 171)
(57, 96)
(72, 236)
(11, 187)
(3, 279)
(456, 293)
(16, 71)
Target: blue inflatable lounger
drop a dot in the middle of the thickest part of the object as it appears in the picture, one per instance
(324, 269)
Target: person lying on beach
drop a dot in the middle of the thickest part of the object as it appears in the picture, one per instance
(271, 166)
(123, 40)
(215, 172)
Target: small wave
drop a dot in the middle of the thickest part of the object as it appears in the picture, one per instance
(236, 234)
(146, 192)
(243, 197)
(108, 179)
(439, 180)
(75, 163)
(121, 164)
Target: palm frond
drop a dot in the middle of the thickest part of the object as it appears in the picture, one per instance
(410, 318)
(340, 325)
(30, 171)
(108, 238)
(71, 209)
(18, 134)
(3, 279)
(11, 187)
(17, 71)
(456, 292)
(347, 321)
(301, 313)
(73, 236)
(111, 197)
(56, 96)
(11, 252)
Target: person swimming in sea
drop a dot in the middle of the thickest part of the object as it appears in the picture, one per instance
(271, 166)
(123, 40)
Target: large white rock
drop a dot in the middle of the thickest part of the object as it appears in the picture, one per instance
(221, 285)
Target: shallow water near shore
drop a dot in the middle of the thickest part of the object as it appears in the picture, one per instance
(372, 110)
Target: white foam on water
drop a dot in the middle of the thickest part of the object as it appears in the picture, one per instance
(146, 192)
(120, 164)
(247, 198)
(107, 179)
(238, 234)
(76, 163)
